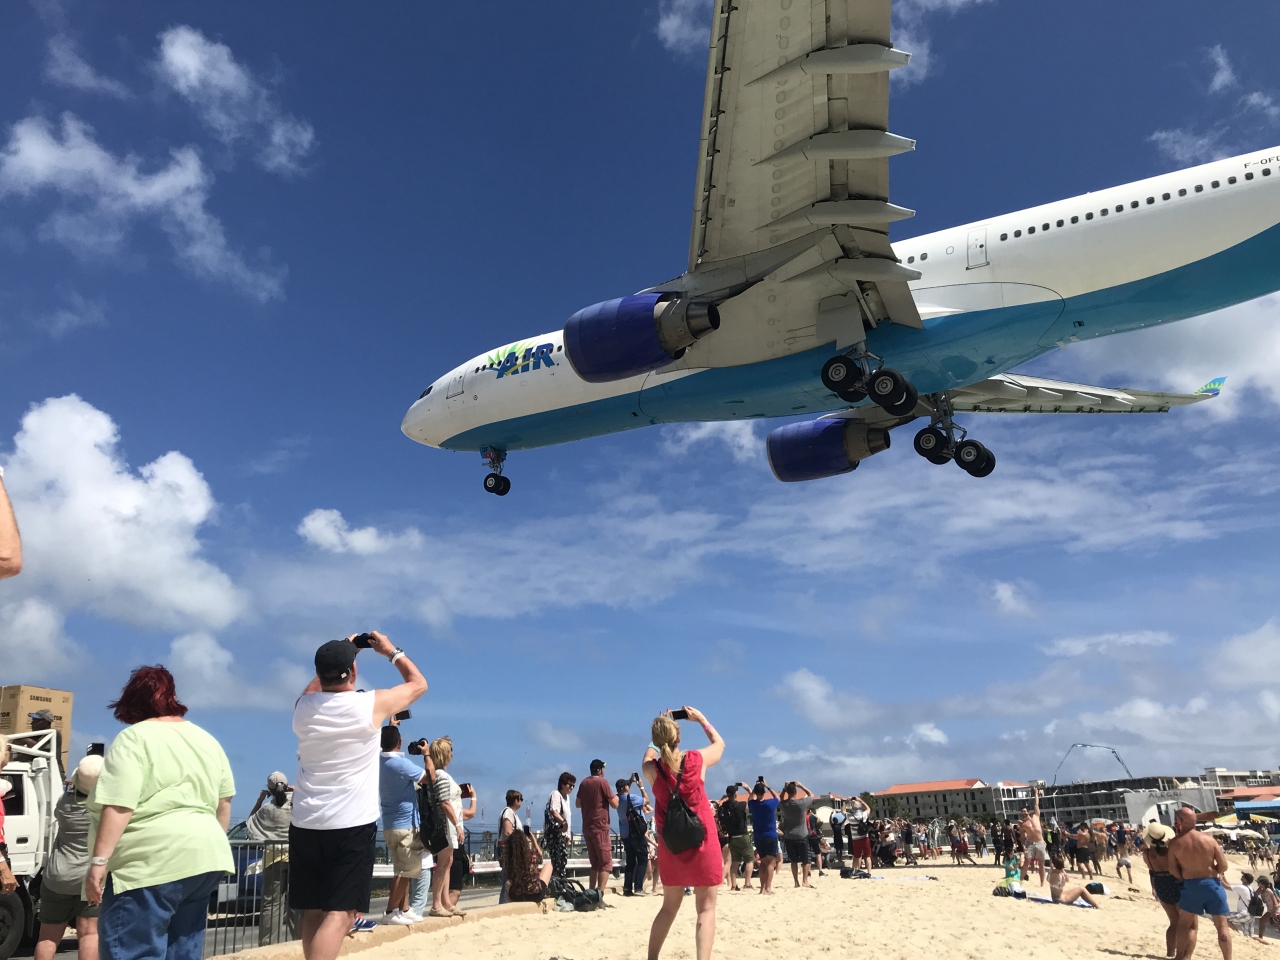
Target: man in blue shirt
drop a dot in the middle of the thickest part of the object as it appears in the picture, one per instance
(398, 779)
(636, 847)
(763, 807)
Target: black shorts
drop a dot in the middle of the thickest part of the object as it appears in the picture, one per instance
(797, 851)
(766, 846)
(459, 870)
(331, 869)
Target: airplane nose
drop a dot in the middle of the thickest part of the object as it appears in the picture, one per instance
(422, 425)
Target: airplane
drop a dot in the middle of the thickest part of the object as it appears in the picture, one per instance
(796, 303)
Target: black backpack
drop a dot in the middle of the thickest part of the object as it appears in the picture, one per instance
(637, 826)
(1256, 907)
(431, 826)
(683, 830)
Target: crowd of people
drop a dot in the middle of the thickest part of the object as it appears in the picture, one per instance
(142, 832)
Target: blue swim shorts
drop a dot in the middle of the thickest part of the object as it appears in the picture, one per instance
(1204, 895)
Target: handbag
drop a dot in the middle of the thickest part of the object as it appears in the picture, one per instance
(683, 829)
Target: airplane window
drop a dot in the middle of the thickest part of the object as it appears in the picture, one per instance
(924, 256)
(1199, 188)
(1004, 236)
(1151, 199)
(1017, 233)
(1248, 176)
(1119, 208)
(1215, 184)
(1182, 192)
(425, 392)
(1045, 227)
(1075, 219)
(1030, 231)
(1266, 171)
(1105, 211)
(1231, 179)
(1164, 196)
(1060, 222)
(1134, 204)
(559, 349)
(911, 259)
(1089, 216)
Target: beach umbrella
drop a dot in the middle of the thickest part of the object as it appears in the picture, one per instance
(1218, 832)
(1250, 835)
(823, 814)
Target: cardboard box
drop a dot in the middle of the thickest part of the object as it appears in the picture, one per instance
(21, 699)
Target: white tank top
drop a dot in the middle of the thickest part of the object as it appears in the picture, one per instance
(338, 746)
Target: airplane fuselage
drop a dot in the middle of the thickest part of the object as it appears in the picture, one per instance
(992, 295)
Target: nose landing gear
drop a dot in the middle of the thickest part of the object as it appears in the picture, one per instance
(852, 379)
(495, 482)
(943, 440)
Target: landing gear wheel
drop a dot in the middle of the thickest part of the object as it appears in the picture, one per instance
(840, 374)
(904, 404)
(886, 386)
(972, 456)
(986, 468)
(852, 395)
(506, 487)
(931, 443)
(496, 483)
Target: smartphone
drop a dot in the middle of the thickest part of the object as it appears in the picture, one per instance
(680, 714)
(760, 779)
(364, 641)
(404, 715)
(466, 789)
(96, 750)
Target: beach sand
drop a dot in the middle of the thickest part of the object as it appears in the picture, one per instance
(949, 918)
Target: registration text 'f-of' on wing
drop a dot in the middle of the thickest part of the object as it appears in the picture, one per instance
(795, 128)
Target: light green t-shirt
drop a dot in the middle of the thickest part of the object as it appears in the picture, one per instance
(171, 775)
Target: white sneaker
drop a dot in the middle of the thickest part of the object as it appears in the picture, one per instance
(413, 917)
(399, 918)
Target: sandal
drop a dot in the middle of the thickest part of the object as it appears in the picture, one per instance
(434, 912)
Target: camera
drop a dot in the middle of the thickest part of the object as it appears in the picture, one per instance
(680, 714)
(417, 748)
(364, 641)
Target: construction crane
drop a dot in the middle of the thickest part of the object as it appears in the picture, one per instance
(1093, 746)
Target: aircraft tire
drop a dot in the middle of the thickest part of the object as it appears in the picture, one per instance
(970, 455)
(505, 488)
(886, 386)
(985, 470)
(840, 374)
(493, 483)
(852, 395)
(930, 443)
(904, 404)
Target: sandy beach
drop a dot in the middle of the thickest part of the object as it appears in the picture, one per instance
(899, 916)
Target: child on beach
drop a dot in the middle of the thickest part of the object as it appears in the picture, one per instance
(1058, 888)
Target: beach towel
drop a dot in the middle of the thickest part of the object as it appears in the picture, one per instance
(1078, 903)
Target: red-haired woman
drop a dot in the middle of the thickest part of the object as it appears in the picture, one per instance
(161, 811)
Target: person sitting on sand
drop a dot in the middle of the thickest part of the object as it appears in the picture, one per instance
(1059, 890)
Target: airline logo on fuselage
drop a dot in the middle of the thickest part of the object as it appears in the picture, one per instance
(521, 358)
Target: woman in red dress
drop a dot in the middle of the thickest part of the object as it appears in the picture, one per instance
(700, 868)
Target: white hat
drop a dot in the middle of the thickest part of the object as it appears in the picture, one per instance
(86, 775)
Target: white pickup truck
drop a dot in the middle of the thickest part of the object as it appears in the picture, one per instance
(35, 784)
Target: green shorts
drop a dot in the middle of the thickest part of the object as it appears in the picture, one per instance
(63, 908)
(741, 849)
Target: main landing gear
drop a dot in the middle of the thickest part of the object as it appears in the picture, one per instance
(938, 442)
(852, 379)
(495, 482)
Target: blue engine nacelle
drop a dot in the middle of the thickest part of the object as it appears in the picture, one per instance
(822, 448)
(633, 335)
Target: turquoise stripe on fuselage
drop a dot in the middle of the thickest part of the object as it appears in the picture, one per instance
(951, 352)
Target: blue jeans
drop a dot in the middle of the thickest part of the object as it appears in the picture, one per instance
(164, 922)
(419, 893)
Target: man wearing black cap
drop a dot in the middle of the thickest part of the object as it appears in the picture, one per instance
(335, 800)
(595, 799)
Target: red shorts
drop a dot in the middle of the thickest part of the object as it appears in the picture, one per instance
(599, 848)
(861, 847)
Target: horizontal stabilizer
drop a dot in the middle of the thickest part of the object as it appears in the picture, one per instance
(1012, 393)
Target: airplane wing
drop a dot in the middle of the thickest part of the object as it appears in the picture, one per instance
(795, 135)
(1013, 393)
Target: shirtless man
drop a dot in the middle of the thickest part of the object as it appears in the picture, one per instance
(1032, 833)
(1196, 859)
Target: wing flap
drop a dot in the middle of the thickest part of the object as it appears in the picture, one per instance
(1013, 393)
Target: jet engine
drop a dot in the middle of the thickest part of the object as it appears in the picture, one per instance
(633, 335)
(822, 448)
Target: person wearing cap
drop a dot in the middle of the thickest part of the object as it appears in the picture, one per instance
(268, 824)
(62, 903)
(42, 720)
(595, 799)
(335, 799)
(10, 539)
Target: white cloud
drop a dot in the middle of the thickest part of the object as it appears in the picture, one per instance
(99, 536)
(1269, 704)
(928, 733)
(328, 530)
(739, 436)
(102, 195)
(1186, 147)
(544, 734)
(202, 671)
(1009, 599)
(1107, 643)
(1249, 659)
(67, 68)
(76, 314)
(911, 32)
(815, 699)
(32, 643)
(230, 101)
(1263, 103)
(684, 26)
(1224, 76)
(1159, 723)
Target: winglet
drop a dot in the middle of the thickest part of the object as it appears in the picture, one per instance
(1212, 388)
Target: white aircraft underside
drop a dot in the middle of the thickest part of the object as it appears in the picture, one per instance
(790, 249)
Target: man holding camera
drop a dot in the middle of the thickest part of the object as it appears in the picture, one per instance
(398, 782)
(595, 799)
(631, 815)
(336, 801)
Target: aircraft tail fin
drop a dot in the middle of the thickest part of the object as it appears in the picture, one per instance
(1212, 388)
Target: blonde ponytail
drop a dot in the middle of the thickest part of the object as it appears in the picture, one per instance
(665, 734)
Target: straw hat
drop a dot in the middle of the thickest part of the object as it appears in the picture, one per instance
(86, 776)
(1157, 833)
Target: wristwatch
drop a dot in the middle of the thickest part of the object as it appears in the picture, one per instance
(100, 861)
(395, 654)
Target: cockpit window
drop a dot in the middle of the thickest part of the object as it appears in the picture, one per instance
(425, 392)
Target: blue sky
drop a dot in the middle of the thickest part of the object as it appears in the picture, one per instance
(236, 242)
